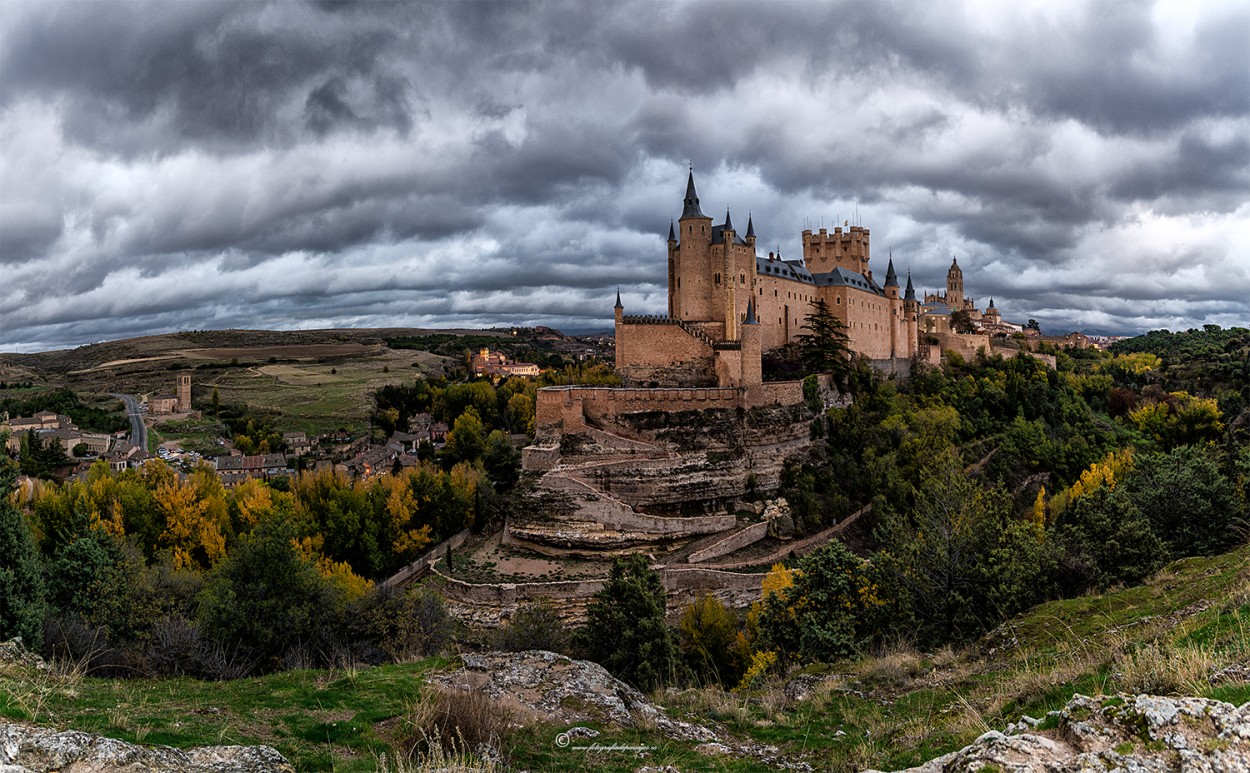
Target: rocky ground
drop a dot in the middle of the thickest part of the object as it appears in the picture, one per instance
(31, 749)
(541, 686)
(1135, 734)
(28, 748)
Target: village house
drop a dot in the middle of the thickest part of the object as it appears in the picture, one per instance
(298, 443)
(496, 365)
(48, 426)
(235, 469)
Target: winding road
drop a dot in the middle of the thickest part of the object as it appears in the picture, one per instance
(138, 430)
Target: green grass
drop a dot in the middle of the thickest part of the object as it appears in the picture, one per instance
(321, 720)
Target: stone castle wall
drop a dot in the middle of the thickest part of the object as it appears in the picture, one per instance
(488, 605)
(660, 352)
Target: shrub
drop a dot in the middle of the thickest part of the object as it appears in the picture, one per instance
(820, 616)
(265, 597)
(707, 636)
(175, 647)
(404, 625)
(536, 626)
(1107, 538)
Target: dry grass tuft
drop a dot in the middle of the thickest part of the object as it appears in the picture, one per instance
(1165, 671)
(436, 760)
(895, 668)
(451, 722)
(711, 702)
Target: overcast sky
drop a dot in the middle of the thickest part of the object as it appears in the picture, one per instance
(189, 165)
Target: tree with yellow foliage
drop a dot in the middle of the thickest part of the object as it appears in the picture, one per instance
(193, 525)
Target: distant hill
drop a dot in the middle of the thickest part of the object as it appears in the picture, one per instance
(1210, 361)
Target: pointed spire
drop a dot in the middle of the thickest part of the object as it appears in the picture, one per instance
(750, 227)
(692, 199)
(991, 303)
(891, 279)
(911, 291)
(672, 235)
(729, 223)
(751, 320)
(618, 305)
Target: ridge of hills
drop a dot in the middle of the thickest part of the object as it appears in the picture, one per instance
(1183, 632)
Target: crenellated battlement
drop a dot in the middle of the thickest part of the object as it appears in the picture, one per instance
(824, 251)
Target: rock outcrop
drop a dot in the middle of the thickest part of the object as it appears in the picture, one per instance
(543, 686)
(1143, 733)
(31, 749)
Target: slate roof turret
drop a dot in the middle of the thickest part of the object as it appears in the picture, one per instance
(911, 291)
(750, 227)
(692, 200)
(891, 279)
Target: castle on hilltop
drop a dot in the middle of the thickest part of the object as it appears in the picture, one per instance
(727, 305)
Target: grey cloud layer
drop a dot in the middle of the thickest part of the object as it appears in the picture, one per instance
(248, 164)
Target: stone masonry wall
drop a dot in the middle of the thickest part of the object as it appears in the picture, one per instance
(663, 354)
(489, 605)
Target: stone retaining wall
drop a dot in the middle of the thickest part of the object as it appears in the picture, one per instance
(419, 568)
(488, 605)
(736, 541)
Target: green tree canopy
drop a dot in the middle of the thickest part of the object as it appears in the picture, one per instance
(22, 606)
(625, 630)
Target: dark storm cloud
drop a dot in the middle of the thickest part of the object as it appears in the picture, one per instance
(282, 164)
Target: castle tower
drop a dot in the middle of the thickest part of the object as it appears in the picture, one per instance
(955, 285)
(896, 320)
(184, 393)
(891, 282)
(619, 310)
(672, 271)
(847, 249)
(752, 362)
(729, 299)
(691, 295)
(911, 309)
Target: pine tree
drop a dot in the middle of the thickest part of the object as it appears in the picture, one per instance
(824, 348)
(625, 628)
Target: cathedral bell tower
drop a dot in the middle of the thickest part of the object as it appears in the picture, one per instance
(955, 285)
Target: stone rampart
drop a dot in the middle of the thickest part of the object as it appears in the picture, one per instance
(663, 351)
(488, 605)
(736, 541)
(420, 567)
(1004, 351)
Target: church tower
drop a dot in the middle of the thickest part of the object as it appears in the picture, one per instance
(955, 285)
(184, 393)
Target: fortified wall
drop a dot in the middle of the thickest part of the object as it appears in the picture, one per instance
(489, 605)
(620, 470)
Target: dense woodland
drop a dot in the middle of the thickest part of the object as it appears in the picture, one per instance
(994, 483)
